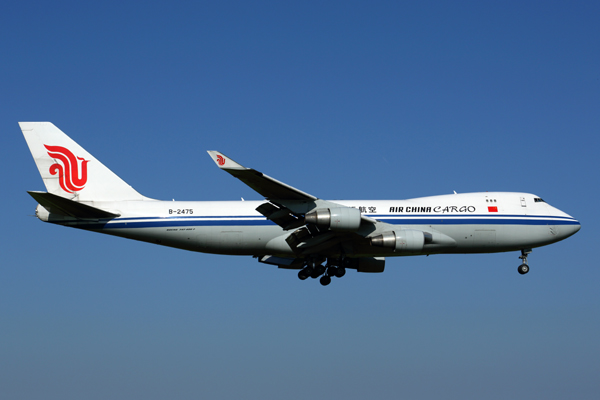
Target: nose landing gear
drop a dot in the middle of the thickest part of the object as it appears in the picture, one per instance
(524, 268)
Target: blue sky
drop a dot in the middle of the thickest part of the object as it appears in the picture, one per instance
(344, 100)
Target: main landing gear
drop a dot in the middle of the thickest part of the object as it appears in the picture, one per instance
(524, 268)
(314, 269)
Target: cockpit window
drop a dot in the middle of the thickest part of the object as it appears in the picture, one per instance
(538, 200)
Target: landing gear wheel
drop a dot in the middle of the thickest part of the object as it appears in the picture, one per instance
(331, 271)
(319, 269)
(315, 273)
(340, 271)
(523, 269)
(303, 274)
(325, 280)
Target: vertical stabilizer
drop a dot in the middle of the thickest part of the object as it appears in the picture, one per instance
(71, 172)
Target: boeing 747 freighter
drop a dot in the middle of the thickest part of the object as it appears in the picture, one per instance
(291, 229)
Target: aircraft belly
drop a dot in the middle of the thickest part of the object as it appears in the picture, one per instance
(231, 240)
(270, 239)
(235, 240)
(497, 238)
(255, 240)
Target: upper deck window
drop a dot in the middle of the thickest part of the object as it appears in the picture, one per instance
(538, 200)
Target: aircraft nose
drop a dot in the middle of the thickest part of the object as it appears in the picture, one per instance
(571, 229)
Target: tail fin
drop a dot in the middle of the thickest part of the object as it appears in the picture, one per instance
(69, 171)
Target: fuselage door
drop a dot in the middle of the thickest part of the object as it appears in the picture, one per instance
(523, 203)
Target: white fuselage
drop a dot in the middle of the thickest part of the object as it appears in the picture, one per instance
(473, 222)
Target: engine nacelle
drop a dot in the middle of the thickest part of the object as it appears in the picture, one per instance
(406, 240)
(344, 219)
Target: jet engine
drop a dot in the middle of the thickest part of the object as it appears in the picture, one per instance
(406, 240)
(343, 219)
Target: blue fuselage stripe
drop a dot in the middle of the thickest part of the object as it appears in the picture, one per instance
(153, 222)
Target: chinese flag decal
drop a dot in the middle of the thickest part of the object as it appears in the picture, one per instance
(492, 209)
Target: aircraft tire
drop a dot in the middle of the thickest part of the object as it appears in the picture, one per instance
(320, 269)
(303, 274)
(340, 271)
(325, 280)
(523, 269)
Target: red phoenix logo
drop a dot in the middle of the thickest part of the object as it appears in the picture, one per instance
(220, 160)
(72, 175)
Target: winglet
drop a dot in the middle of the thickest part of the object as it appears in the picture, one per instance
(223, 161)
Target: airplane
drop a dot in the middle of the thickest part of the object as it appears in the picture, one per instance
(290, 229)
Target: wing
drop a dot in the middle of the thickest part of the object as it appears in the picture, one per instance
(324, 230)
(319, 225)
(266, 186)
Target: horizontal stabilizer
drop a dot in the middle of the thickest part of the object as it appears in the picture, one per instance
(60, 205)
